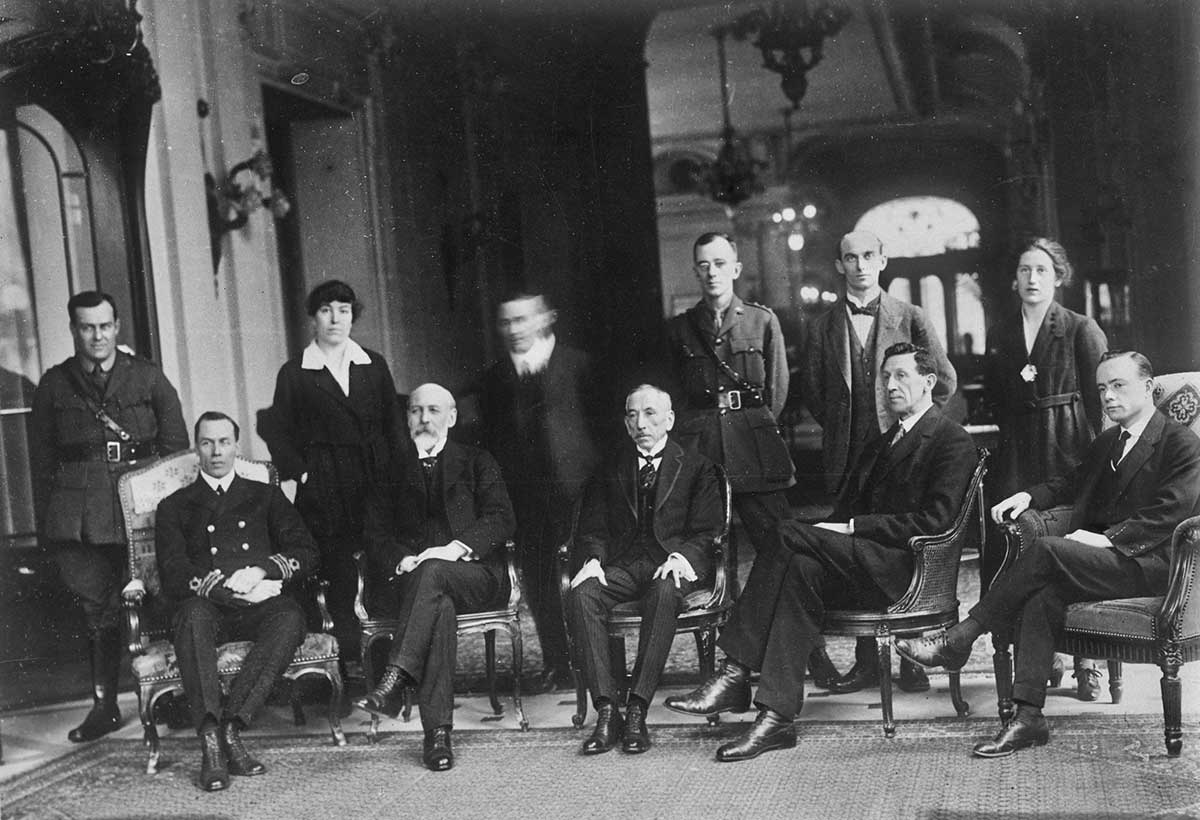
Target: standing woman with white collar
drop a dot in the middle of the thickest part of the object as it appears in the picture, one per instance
(1041, 387)
(335, 427)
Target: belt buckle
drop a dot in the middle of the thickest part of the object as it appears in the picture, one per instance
(112, 451)
(733, 399)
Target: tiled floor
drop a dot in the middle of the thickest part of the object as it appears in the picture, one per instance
(35, 736)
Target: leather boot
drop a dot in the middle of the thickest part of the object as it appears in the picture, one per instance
(214, 771)
(1087, 679)
(821, 668)
(727, 691)
(387, 697)
(438, 754)
(610, 727)
(912, 677)
(865, 672)
(104, 717)
(635, 739)
(770, 730)
(240, 761)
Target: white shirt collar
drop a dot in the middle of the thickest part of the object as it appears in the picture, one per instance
(909, 423)
(1136, 429)
(656, 454)
(223, 482)
(860, 302)
(436, 450)
(534, 359)
(314, 357)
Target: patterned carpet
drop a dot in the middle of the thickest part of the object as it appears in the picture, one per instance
(1093, 768)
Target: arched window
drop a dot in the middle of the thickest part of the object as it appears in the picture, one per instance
(930, 243)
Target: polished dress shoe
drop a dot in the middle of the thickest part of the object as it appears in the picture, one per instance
(912, 677)
(240, 761)
(608, 731)
(1019, 733)
(935, 651)
(727, 691)
(635, 739)
(820, 667)
(861, 676)
(770, 730)
(1087, 683)
(214, 771)
(438, 755)
(103, 718)
(387, 698)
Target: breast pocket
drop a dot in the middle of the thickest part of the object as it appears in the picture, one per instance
(699, 376)
(749, 360)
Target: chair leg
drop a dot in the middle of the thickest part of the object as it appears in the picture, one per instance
(518, 661)
(297, 708)
(961, 707)
(1116, 686)
(149, 730)
(489, 654)
(883, 645)
(706, 653)
(1172, 709)
(364, 657)
(406, 712)
(1003, 670)
(373, 729)
(335, 703)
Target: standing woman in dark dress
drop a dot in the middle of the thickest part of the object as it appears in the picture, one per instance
(1041, 386)
(335, 428)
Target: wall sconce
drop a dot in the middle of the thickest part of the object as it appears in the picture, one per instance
(248, 186)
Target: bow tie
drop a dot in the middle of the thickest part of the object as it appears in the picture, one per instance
(871, 309)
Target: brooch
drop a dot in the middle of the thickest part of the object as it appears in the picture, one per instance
(1029, 373)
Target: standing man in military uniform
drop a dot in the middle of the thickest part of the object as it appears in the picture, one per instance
(229, 551)
(94, 416)
(731, 376)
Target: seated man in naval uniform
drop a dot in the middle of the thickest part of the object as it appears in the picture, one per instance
(228, 550)
(646, 530)
(437, 534)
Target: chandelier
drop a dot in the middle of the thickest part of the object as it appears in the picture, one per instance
(791, 36)
(732, 177)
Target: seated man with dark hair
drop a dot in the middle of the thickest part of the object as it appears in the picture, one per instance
(646, 531)
(1138, 481)
(227, 551)
(909, 481)
(437, 534)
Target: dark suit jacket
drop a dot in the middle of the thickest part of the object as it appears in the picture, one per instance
(688, 510)
(343, 442)
(825, 372)
(1158, 486)
(476, 503)
(745, 442)
(572, 430)
(196, 533)
(914, 488)
(77, 500)
(1039, 443)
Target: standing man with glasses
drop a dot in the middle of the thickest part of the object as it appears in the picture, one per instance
(94, 417)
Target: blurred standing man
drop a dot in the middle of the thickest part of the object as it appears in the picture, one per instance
(843, 354)
(730, 369)
(94, 416)
(539, 404)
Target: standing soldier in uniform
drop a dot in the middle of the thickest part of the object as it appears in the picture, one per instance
(94, 416)
(731, 375)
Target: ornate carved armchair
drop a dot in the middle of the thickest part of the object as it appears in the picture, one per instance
(489, 622)
(154, 666)
(930, 603)
(705, 610)
(1164, 631)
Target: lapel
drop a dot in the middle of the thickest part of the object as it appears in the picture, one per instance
(453, 461)
(627, 471)
(119, 374)
(668, 472)
(324, 381)
(837, 340)
(1141, 452)
(1052, 327)
(733, 315)
(201, 495)
(908, 445)
(237, 495)
(889, 325)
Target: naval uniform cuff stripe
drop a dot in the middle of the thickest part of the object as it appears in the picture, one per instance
(284, 564)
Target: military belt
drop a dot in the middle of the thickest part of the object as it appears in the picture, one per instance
(738, 399)
(108, 451)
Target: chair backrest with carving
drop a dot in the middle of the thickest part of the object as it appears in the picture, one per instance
(141, 490)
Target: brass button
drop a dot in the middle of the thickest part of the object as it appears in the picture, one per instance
(211, 528)
(241, 525)
(213, 550)
(245, 546)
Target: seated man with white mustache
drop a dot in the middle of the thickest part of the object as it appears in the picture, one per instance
(437, 532)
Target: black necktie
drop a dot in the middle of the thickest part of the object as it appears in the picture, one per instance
(427, 464)
(99, 379)
(1118, 449)
(871, 309)
(647, 473)
(899, 435)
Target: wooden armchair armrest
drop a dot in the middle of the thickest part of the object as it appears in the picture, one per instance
(1180, 613)
(360, 594)
(318, 587)
(514, 577)
(720, 574)
(131, 608)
